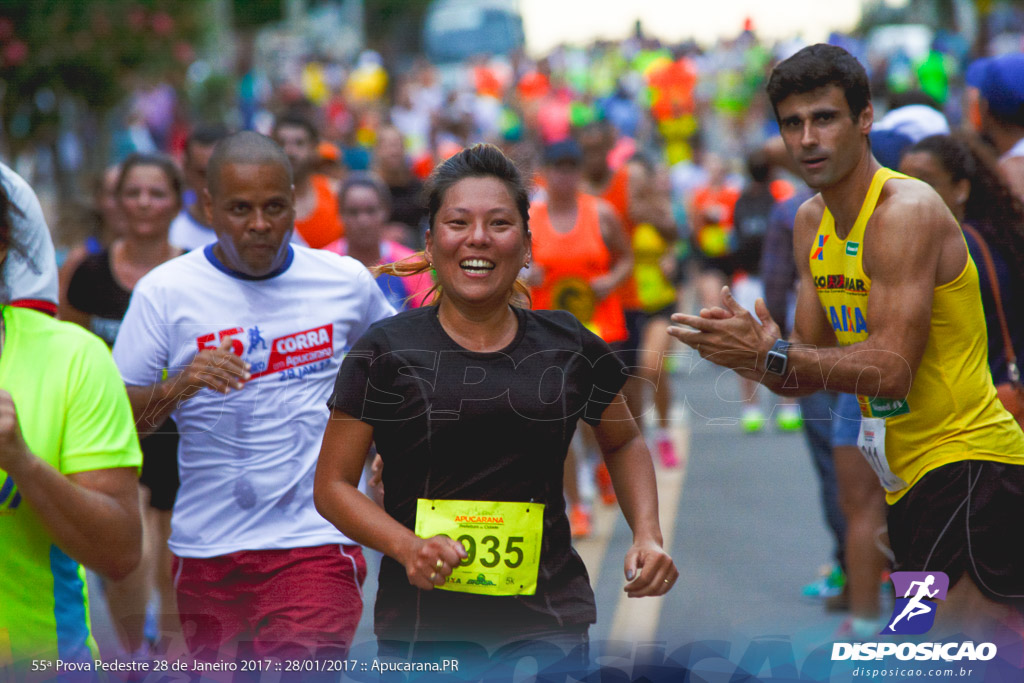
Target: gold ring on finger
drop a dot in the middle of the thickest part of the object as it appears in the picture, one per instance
(440, 564)
(433, 575)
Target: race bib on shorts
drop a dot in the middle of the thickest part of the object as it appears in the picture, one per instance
(871, 442)
(502, 542)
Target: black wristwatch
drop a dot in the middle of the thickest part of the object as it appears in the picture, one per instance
(777, 359)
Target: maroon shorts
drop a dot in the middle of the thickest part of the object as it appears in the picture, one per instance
(295, 603)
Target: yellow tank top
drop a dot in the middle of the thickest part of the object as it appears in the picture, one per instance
(654, 290)
(952, 412)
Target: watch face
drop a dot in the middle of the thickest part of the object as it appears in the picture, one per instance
(775, 363)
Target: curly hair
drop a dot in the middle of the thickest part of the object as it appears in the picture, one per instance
(991, 207)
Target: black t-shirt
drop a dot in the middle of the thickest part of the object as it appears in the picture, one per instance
(94, 290)
(455, 424)
(750, 222)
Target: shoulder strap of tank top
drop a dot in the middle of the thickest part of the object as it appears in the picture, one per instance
(588, 218)
(871, 199)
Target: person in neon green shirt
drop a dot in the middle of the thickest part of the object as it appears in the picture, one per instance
(69, 461)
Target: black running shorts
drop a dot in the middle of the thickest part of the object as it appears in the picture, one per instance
(961, 518)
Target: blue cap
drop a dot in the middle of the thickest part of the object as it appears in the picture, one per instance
(1000, 81)
(975, 73)
(564, 150)
(888, 146)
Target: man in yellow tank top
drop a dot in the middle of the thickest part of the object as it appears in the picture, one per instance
(889, 309)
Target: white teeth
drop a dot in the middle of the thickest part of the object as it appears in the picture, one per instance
(477, 264)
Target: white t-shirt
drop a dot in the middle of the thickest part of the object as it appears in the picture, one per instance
(187, 233)
(1016, 151)
(247, 458)
(30, 270)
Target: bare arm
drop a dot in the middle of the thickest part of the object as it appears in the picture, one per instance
(339, 500)
(217, 369)
(905, 265)
(614, 237)
(65, 310)
(650, 201)
(648, 567)
(1013, 173)
(92, 516)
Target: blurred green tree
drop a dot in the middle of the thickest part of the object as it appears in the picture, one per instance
(88, 54)
(395, 25)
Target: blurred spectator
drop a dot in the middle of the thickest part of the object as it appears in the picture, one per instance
(149, 192)
(1000, 84)
(103, 221)
(407, 212)
(411, 121)
(329, 163)
(317, 222)
(779, 275)
(189, 230)
(969, 183)
(913, 116)
(365, 201)
(711, 218)
(750, 221)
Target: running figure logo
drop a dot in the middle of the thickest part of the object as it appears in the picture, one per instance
(914, 613)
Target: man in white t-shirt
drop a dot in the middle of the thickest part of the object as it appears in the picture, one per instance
(251, 331)
(189, 229)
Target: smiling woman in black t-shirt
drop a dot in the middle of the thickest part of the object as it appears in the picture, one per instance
(472, 404)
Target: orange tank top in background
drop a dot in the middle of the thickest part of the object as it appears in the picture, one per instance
(617, 194)
(570, 261)
(323, 225)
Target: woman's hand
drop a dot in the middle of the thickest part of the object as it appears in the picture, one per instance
(429, 562)
(649, 570)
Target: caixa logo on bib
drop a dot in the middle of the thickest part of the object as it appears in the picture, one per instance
(914, 610)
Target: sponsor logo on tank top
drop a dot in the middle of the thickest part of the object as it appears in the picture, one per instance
(839, 282)
(847, 319)
(819, 253)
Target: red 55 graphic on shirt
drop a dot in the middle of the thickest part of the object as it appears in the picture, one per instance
(213, 341)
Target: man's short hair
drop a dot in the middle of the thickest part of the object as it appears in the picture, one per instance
(245, 147)
(297, 121)
(207, 135)
(818, 66)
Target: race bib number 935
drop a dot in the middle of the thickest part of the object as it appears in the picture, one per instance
(502, 542)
